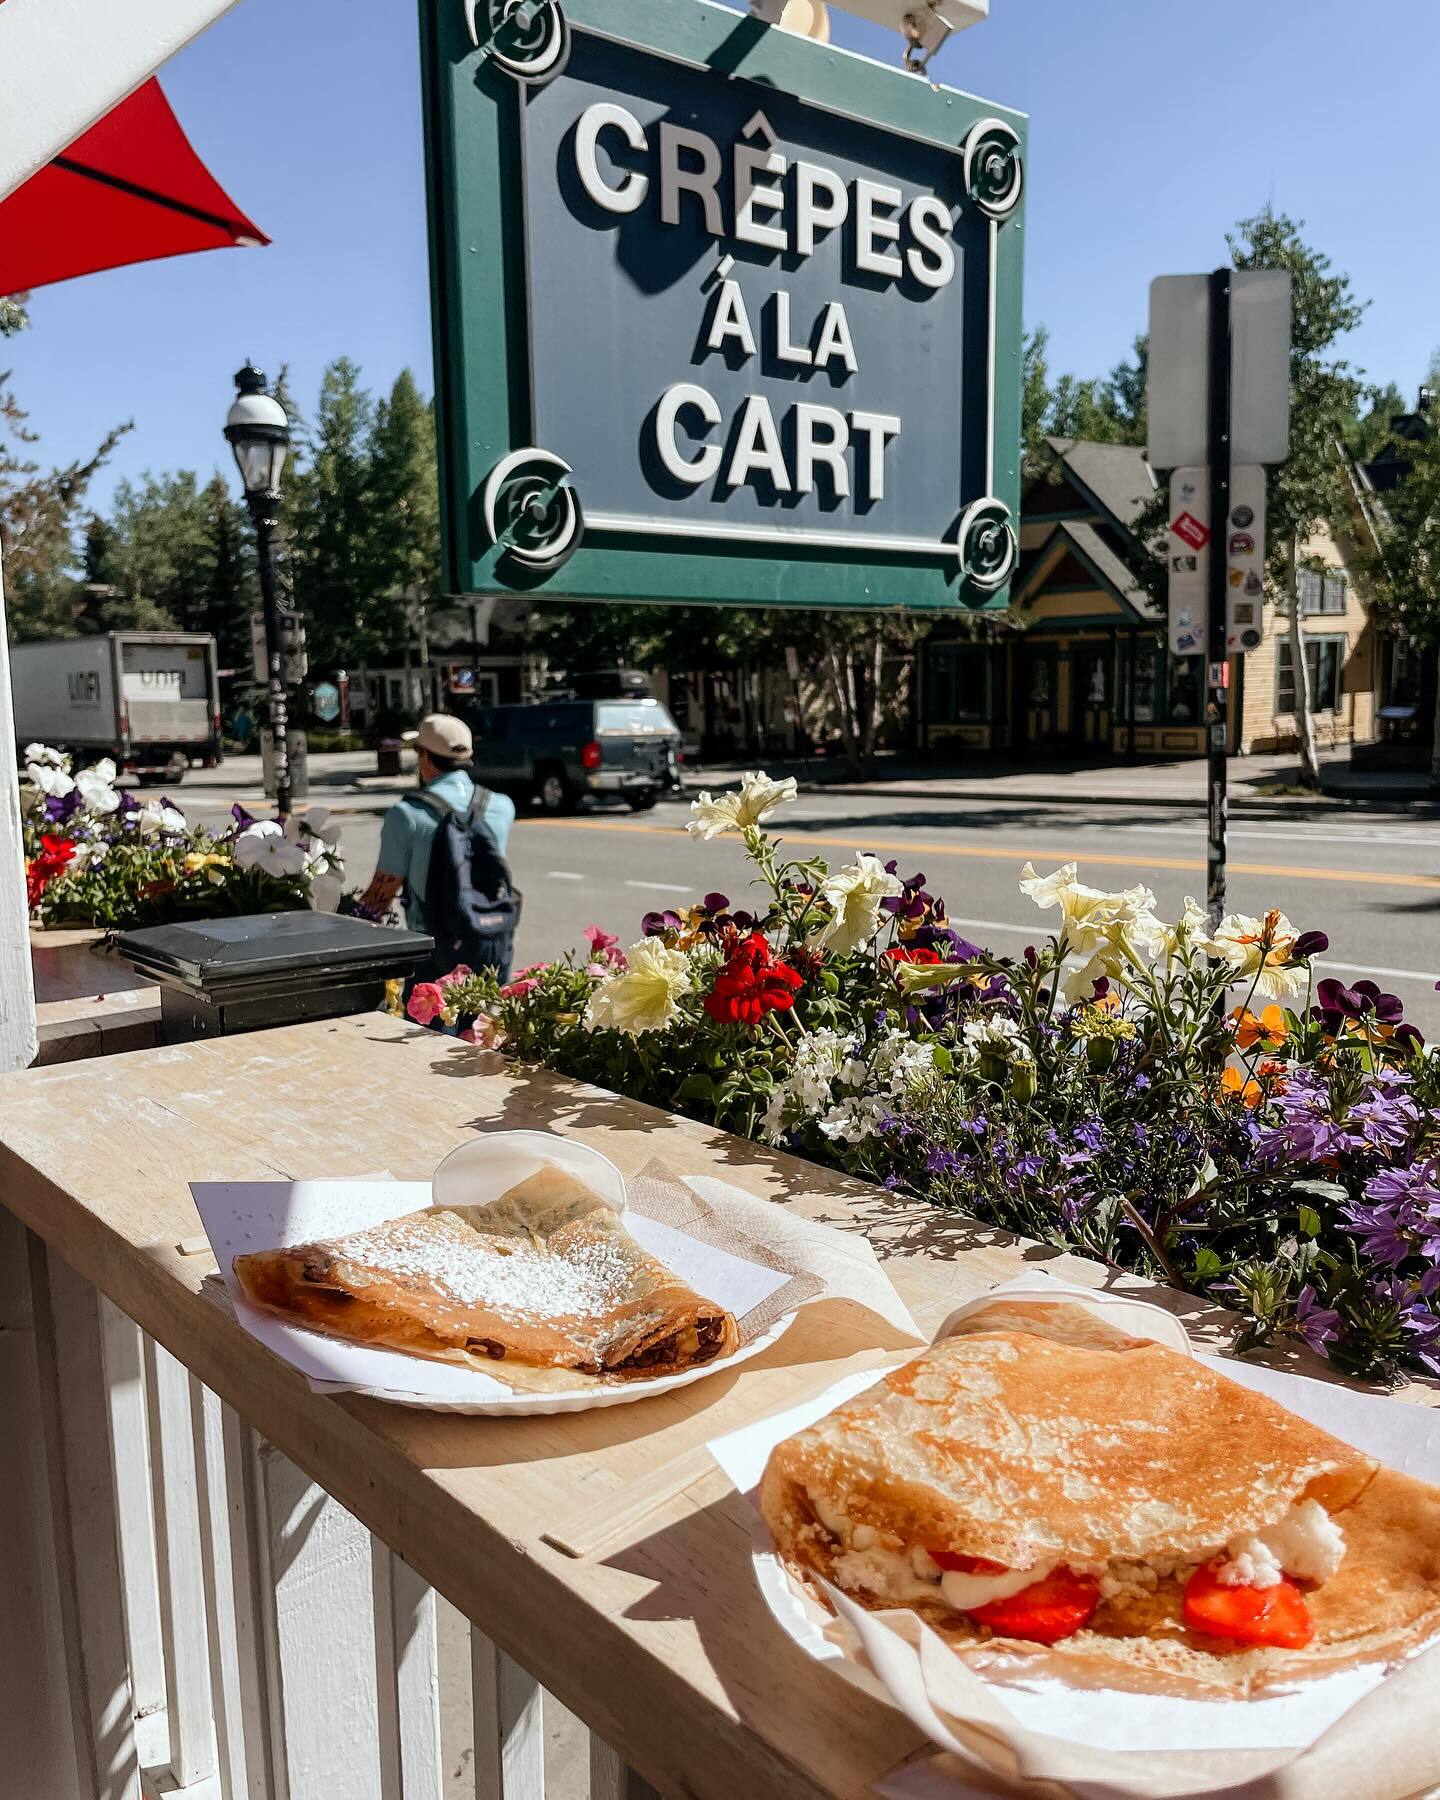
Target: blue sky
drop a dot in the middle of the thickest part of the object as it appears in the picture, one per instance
(1154, 126)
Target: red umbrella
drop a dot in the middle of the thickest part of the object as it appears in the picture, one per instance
(128, 190)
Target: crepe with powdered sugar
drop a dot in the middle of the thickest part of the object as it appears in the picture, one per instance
(545, 1279)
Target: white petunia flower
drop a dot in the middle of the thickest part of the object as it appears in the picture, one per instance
(87, 856)
(993, 1032)
(49, 779)
(45, 757)
(644, 996)
(854, 895)
(757, 797)
(97, 787)
(156, 819)
(263, 846)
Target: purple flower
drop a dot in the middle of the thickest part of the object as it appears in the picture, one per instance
(1308, 944)
(1091, 1134)
(243, 820)
(656, 924)
(1318, 1325)
(944, 1162)
(1383, 1232)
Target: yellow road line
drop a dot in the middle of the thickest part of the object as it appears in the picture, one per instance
(995, 853)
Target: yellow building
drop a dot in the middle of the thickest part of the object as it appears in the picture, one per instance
(1081, 665)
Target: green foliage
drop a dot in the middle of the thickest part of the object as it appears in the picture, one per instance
(13, 316)
(1325, 390)
(39, 514)
(1405, 570)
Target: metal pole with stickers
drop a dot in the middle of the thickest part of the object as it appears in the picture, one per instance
(1219, 412)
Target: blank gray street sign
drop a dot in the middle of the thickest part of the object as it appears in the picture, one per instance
(1180, 368)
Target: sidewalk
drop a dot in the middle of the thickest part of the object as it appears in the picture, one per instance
(1257, 783)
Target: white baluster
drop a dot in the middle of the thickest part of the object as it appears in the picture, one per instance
(237, 1596)
(612, 1779)
(509, 1725)
(182, 1572)
(130, 1449)
(407, 1679)
(324, 1637)
(70, 1359)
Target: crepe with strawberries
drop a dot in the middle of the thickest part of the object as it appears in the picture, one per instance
(1108, 1511)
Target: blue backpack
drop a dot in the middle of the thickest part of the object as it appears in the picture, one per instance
(471, 903)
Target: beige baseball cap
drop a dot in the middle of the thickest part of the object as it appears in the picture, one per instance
(443, 735)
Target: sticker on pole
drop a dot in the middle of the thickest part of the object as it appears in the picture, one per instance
(1187, 549)
(1245, 560)
(1190, 531)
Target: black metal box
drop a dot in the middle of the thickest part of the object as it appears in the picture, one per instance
(220, 976)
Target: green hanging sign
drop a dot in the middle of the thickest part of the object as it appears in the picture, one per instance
(721, 314)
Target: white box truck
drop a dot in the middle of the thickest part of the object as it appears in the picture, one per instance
(149, 699)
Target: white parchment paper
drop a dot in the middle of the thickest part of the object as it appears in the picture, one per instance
(1138, 1738)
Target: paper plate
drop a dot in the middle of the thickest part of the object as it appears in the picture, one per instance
(240, 1217)
(517, 1403)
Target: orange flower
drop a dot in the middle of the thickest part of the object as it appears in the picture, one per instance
(1270, 1027)
(1250, 1093)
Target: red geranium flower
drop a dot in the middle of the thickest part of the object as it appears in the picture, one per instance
(40, 871)
(752, 982)
(912, 953)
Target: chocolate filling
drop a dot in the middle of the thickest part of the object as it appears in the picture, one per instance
(665, 1349)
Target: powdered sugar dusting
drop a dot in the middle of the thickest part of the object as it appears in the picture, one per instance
(519, 1281)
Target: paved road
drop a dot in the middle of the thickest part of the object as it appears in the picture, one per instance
(1371, 880)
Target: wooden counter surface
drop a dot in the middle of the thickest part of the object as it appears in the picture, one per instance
(662, 1644)
(89, 1002)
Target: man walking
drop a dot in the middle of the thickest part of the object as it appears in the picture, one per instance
(407, 838)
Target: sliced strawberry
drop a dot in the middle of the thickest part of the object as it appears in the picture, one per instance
(1054, 1607)
(965, 1565)
(1275, 1615)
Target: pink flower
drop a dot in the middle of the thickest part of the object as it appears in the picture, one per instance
(531, 969)
(518, 988)
(597, 969)
(461, 972)
(605, 949)
(426, 1002)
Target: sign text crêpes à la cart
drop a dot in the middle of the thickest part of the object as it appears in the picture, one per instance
(752, 333)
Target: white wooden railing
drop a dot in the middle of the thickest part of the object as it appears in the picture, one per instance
(216, 1626)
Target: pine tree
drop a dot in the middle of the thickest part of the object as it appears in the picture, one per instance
(328, 516)
(403, 547)
(232, 587)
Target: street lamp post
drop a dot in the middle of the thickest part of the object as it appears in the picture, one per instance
(259, 433)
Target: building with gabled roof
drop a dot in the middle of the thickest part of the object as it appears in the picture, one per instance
(1081, 666)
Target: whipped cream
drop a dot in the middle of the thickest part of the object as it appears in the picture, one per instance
(1306, 1544)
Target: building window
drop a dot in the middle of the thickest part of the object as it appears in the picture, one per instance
(1325, 659)
(1321, 591)
(1185, 682)
(1147, 686)
(959, 683)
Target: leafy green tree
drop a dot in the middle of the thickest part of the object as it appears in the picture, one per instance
(39, 515)
(1405, 569)
(13, 316)
(1325, 391)
(1369, 431)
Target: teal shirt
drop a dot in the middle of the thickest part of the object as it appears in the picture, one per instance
(409, 831)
